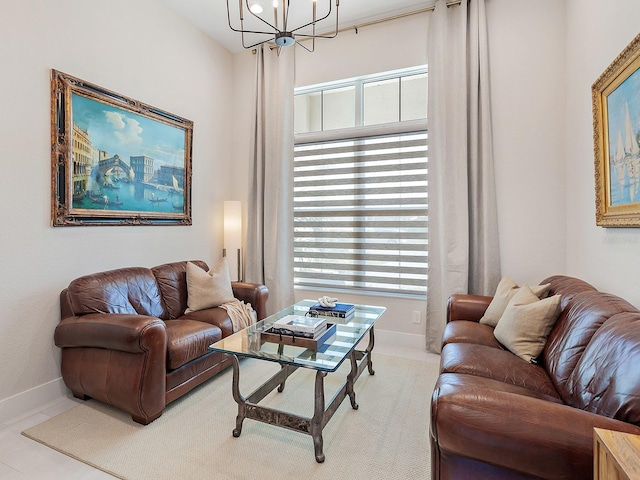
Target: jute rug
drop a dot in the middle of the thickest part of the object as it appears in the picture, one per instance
(387, 437)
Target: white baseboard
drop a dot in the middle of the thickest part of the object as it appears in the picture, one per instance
(22, 404)
(410, 340)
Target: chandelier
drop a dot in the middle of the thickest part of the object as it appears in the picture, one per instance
(262, 21)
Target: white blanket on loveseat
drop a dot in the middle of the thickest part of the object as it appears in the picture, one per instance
(241, 314)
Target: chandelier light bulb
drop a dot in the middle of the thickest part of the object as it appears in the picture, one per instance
(256, 8)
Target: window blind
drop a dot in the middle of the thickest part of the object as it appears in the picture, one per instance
(360, 214)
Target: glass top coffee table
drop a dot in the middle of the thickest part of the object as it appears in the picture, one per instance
(255, 342)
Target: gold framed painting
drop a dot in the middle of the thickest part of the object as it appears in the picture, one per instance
(616, 129)
(116, 160)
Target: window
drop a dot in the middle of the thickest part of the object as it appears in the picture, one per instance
(360, 185)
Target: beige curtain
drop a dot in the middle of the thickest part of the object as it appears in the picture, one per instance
(463, 233)
(269, 249)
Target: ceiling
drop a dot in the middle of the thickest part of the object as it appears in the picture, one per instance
(211, 15)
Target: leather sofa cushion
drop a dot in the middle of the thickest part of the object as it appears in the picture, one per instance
(463, 331)
(568, 287)
(172, 282)
(125, 290)
(215, 316)
(496, 364)
(582, 317)
(188, 340)
(606, 379)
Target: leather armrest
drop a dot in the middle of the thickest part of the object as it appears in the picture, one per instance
(113, 331)
(467, 307)
(253, 293)
(516, 431)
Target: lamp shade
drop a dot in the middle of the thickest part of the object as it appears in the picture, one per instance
(233, 238)
(232, 225)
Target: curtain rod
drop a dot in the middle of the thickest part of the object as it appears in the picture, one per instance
(396, 17)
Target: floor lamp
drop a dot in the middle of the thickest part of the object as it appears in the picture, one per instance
(233, 238)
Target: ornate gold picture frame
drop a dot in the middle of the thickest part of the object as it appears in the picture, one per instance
(616, 130)
(115, 160)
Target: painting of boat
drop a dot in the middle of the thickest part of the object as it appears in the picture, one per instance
(616, 127)
(96, 170)
(153, 199)
(176, 185)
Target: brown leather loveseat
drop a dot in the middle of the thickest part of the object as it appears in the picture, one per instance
(126, 340)
(494, 415)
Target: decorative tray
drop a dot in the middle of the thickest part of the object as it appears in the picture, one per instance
(297, 341)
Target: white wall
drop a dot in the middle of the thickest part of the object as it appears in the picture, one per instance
(544, 58)
(139, 49)
(527, 70)
(244, 87)
(378, 48)
(608, 258)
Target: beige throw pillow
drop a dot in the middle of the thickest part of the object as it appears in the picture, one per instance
(507, 288)
(208, 289)
(527, 322)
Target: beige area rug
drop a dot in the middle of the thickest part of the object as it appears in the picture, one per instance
(387, 437)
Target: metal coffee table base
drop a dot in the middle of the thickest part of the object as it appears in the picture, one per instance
(248, 406)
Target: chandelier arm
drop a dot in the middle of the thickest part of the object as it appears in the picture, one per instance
(319, 19)
(253, 31)
(229, 18)
(259, 18)
(310, 50)
(334, 35)
(285, 14)
(242, 30)
(326, 35)
(254, 45)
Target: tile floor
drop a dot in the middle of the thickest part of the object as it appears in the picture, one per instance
(23, 459)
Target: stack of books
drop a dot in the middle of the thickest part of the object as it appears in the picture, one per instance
(341, 310)
(300, 326)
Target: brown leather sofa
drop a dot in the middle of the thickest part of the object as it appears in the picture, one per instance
(494, 415)
(126, 341)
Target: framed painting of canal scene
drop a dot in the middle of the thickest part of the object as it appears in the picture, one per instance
(115, 160)
(616, 128)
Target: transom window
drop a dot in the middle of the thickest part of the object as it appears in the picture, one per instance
(360, 185)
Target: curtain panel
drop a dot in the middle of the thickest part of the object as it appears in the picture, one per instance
(269, 245)
(463, 232)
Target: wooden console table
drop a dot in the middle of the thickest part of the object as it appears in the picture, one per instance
(616, 455)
